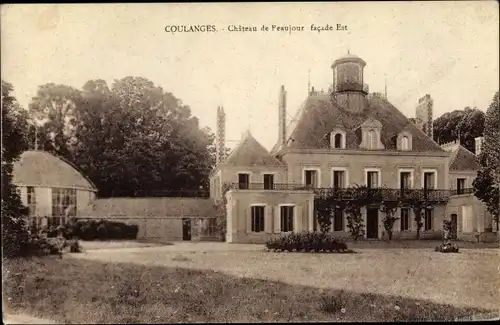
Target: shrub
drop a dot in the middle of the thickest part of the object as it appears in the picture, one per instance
(447, 248)
(38, 245)
(99, 229)
(308, 242)
(74, 246)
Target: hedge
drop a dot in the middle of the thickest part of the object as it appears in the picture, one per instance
(96, 230)
(307, 242)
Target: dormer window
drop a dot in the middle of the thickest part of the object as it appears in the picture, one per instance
(372, 139)
(404, 141)
(370, 131)
(337, 139)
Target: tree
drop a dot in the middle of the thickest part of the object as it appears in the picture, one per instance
(359, 197)
(55, 109)
(487, 182)
(389, 208)
(418, 201)
(130, 139)
(221, 211)
(464, 125)
(14, 127)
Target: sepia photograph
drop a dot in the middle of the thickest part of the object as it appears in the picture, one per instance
(250, 162)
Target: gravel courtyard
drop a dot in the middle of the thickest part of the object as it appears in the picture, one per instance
(470, 278)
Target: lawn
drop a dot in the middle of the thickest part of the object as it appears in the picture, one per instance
(469, 278)
(82, 290)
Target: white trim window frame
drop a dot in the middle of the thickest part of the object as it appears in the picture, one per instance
(422, 177)
(293, 216)
(263, 217)
(379, 173)
(318, 175)
(244, 172)
(412, 176)
(339, 169)
(342, 139)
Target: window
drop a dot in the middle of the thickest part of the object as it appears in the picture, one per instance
(429, 179)
(339, 179)
(404, 143)
(243, 181)
(208, 227)
(63, 205)
(405, 219)
(428, 219)
(405, 180)
(337, 141)
(338, 220)
(268, 181)
(258, 218)
(286, 218)
(311, 178)
(460, 185)
(372, 179)
(372, 139)
(31, 200)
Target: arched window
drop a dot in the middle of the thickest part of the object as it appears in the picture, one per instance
(404, 143)
(372, 139)
(337, 141)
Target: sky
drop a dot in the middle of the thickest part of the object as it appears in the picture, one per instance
(449, 50)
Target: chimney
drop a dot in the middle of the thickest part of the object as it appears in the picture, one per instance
(424, 113)
(282, 116)
(220, 136)
(478, 145)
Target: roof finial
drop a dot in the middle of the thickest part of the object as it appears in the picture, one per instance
(309, 81)
(386, 86)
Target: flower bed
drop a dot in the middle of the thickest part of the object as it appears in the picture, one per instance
(447, 248)
(307, 242)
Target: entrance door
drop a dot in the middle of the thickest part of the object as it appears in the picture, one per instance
(454, 223)
(186, 229)
(372, 223)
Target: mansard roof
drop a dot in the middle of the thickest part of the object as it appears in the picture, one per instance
(249, 152)
(320, 114)
(463, 160)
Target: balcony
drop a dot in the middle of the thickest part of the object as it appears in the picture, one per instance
(352, 86)
(462, 191)
(271, 187)
(385, 194)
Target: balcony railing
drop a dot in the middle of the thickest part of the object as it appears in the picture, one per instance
(385, 194)
(352, 86)
(271, 187)
(462, 191)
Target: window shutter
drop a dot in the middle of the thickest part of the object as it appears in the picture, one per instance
(268, 220)
(277, 220)
(297, 218)
(249, 219)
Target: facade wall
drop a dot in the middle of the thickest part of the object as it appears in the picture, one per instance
(434, 233)
(472, 216)
(239, 213)
(43, 198)
(356, 164)
(229, 174)
(162, 228)
(468, 175)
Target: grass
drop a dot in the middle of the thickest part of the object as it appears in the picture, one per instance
(73, 290)
(469, 278)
